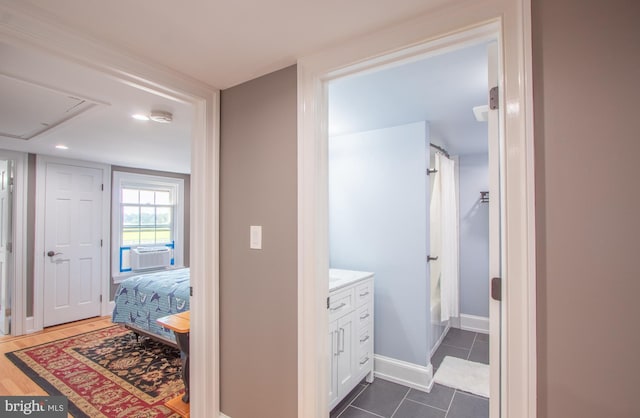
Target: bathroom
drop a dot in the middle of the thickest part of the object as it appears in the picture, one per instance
(408, 202)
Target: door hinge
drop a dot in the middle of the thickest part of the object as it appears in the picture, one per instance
(190, 290)
(102, 187)
(100, 243)
(493, 98)
(7, 312)
(327, 302)
(100, 298)
(496, 288)
(10, 247)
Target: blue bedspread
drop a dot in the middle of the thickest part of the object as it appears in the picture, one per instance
(142, 299)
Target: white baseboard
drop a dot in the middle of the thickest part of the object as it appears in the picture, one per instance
(404, 373)
(437, 344)
(474, 323)
(29, 325)
(224, 416)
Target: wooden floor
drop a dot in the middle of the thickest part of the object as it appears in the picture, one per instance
(12, 380)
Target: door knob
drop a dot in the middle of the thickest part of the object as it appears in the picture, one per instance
(52, 253)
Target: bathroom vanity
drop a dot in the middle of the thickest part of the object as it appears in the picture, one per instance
(350, 308)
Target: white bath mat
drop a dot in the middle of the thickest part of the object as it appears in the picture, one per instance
(465, 375)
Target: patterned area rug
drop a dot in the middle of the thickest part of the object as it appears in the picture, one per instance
(106, 373)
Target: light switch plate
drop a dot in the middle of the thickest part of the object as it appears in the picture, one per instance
(255, 237)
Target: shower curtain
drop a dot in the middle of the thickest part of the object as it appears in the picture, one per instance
(448, 212)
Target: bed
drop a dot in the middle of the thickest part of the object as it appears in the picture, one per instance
(140, 300)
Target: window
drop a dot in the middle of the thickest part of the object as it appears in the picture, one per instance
(148, 216)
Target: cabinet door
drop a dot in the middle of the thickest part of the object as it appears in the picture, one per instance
(346, 353)
(333, 362)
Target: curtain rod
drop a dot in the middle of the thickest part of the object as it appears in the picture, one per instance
(439, 148)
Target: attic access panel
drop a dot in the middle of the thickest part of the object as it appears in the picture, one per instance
(28, 109)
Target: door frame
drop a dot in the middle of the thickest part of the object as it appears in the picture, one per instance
(510, 21)
(19, 237)
(35, 323)
(26, 26)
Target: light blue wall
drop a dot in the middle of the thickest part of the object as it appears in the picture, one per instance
(474, 235)
(378, 194)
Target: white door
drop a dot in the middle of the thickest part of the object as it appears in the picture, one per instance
(5, 246)
(494, 238)
(72, 224)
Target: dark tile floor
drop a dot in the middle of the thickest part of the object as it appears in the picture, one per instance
(390, 400)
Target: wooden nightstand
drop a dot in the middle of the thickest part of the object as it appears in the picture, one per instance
(180, 324)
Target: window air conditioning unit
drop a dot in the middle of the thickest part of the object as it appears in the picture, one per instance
(144, 258)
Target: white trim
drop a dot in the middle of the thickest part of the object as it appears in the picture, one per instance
(223, 415)
(39, 244)
(19, 239)
(403, 373)
(29, 325)
(442, 336)
(22, 25)
(529, 291)
(434, 30)
(105, 290)
(474, 323)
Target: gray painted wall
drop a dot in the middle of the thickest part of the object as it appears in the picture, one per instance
(378, 194)
(473, 173)
(586, 89)
(258, 288)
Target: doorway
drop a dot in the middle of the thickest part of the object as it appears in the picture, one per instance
(204, 186)
(13, 255)
(384, 125)
(72, 212)
(518, 266)
(6, 242)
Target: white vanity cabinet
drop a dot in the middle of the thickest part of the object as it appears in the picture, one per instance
(350, 331)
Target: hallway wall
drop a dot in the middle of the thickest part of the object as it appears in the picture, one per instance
(586, 57)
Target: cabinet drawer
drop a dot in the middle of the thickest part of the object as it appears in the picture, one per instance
(340, 303)
(364, 292)
(365, 341)
(365, 361)
(364, 316)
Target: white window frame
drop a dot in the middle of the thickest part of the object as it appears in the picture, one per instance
(125, 179)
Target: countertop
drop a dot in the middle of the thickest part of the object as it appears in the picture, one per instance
(339, 278)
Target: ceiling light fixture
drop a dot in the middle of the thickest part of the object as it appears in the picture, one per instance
(161, 116)
(140, 116)
(62, 146)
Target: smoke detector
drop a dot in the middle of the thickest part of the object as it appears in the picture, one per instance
(160, 116)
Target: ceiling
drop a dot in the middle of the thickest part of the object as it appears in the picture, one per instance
(220, 42)
(47, 102)
(226, 42)
(440, 89)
